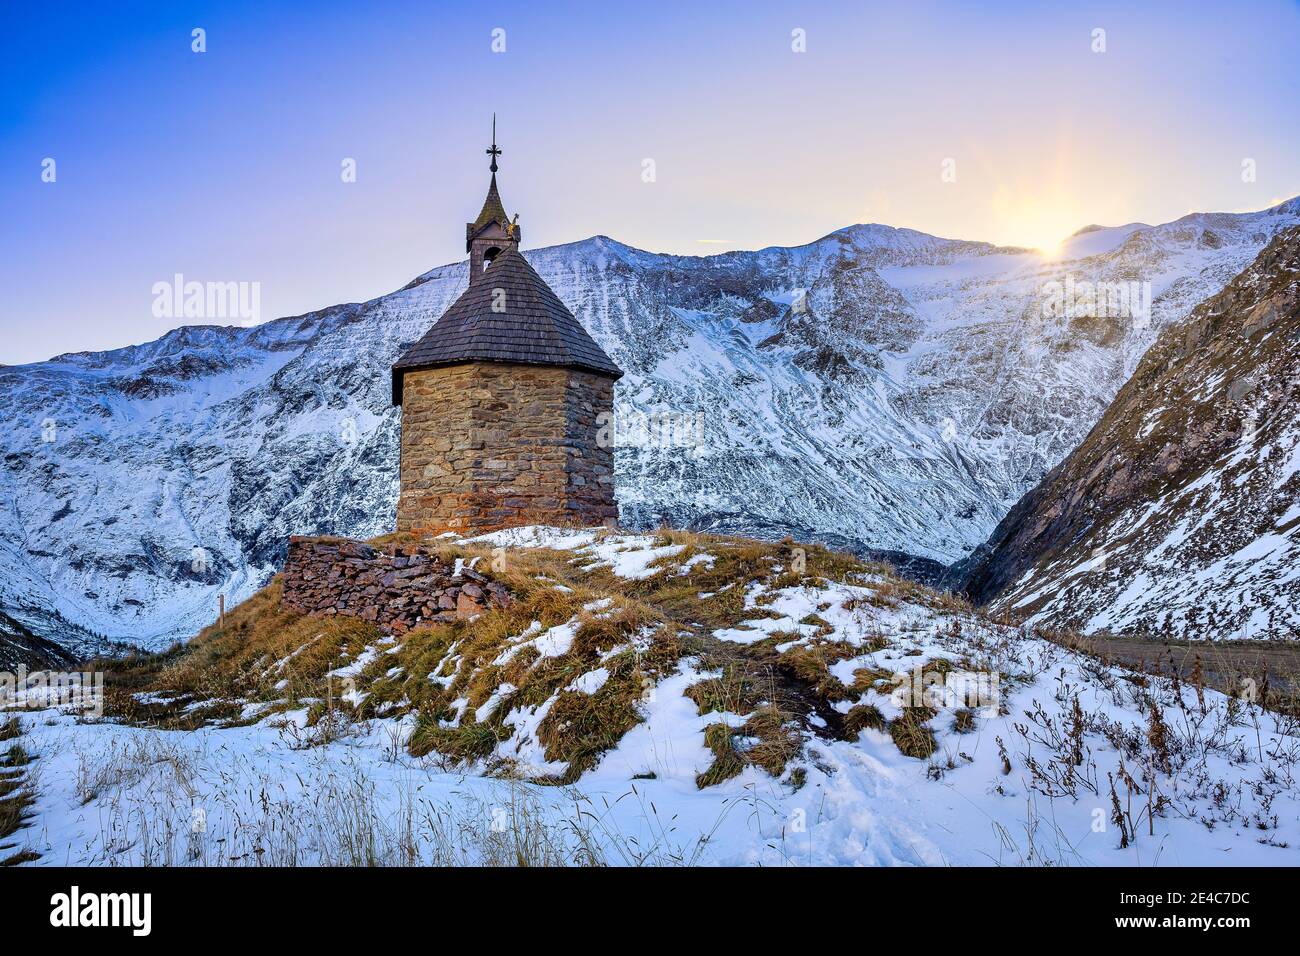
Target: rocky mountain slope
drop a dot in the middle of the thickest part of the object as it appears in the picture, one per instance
(879, 388)
(1180, 513)
(20, 647)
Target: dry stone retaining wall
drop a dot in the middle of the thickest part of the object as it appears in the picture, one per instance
(397, 589)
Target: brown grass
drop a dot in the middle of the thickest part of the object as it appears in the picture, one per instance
(911, 735)
(741, 688)
(963, 721)
(779, 739)
(727, 761)
(267, 653)
(16, 796)
(261, 644)
(861, 717)
(811, 663)
(11, 729)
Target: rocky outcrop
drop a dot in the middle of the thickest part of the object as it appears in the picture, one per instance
(1178, 514)
(396, 590)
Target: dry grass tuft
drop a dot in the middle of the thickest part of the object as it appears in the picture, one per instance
(741, 688)
(11, 729)
(911, 735)
(769, 739)
(16, 791)
(861, 717)
(963, 721)
(810, 663)
(778, 739)
(727, 762)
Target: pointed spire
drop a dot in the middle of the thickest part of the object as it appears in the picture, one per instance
(492, 150)
(493, 209)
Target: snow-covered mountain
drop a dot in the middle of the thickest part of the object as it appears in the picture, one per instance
(879, 388)
(1180, 513)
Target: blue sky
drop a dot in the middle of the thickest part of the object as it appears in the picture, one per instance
(225, 165)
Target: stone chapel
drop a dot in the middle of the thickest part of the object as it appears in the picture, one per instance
(503, 400)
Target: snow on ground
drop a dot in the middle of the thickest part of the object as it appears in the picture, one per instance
(629, 556)
(1029, 783)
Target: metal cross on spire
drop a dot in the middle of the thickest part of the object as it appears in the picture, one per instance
(492, 150)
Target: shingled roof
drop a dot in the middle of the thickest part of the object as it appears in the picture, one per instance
(535, 327)
(494, 209)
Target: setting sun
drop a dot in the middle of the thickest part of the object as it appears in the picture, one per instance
(1043, 223)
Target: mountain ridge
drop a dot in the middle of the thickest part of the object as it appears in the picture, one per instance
(1285, 207)
(889, 396)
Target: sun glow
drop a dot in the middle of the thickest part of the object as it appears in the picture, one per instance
(1051, 249)
(1046, 235)
(1042, 222)
(1045, 231)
